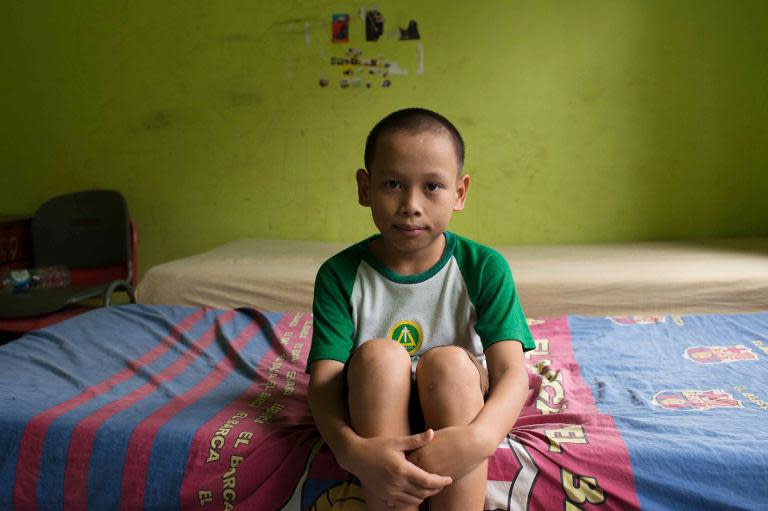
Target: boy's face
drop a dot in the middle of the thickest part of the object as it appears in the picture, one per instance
(413, 187)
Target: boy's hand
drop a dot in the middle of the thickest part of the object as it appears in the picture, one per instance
(455, 451)
(383, 469)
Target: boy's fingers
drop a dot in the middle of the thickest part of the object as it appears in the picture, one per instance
(419, 477)
(413, 442)
(423, 479)
(406, 498)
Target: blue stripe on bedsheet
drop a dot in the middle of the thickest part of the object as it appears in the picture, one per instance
(173, 441)
(95, 347)
(111, 442)
(36, 356)
(50, 489)
(684, 459)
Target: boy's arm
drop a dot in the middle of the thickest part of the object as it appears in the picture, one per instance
(379, 463)
(509, 389)
(457, 450)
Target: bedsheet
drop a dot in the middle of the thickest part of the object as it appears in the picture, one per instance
(160, 407)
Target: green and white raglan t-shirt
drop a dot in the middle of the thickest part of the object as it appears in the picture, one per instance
(467, 299)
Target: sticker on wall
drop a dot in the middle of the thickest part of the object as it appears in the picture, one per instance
(340, 28)
(374, 25)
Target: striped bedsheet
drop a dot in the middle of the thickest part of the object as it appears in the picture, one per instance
(158, 407)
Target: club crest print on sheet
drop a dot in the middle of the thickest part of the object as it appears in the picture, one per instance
(696, 377)
(645, 320)
(695, 399)
(719, 354)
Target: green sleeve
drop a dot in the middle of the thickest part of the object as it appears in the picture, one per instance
(333, 330)
(492, 291)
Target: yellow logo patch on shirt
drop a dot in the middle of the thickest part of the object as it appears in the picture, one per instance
(408, 334)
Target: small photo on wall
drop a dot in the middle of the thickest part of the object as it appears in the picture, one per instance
(340, 28)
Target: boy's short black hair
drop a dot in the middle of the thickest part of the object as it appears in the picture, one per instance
(413, 120)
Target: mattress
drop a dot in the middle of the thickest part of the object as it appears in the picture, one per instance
(727, 275)
(176, 408)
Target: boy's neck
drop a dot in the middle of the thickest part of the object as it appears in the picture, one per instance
(408, 263)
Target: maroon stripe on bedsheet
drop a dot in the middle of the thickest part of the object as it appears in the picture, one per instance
(142, 438)
(272, 449)
(81, 442)
(31, 445)
(562, 448)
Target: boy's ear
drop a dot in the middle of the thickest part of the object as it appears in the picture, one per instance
(462, 187)
(363, 187)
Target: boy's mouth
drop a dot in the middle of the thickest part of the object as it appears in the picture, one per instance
(409, 230)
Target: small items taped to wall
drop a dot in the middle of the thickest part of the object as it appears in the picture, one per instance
(359, 71)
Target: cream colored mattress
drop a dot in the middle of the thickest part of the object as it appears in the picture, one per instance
(729, 275)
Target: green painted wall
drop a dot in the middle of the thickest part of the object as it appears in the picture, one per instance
(585, 121)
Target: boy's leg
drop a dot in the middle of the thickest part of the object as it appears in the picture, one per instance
(379, 387)
(451, 391)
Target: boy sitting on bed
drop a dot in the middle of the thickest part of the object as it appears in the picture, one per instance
(404, 323)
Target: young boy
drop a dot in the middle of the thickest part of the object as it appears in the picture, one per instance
(403, 323)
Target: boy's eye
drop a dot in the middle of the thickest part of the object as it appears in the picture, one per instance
(393, 184)
(433, 187)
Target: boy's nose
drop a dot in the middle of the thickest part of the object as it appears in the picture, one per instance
(410, 204)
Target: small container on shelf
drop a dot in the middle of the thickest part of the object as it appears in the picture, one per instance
(24, 280)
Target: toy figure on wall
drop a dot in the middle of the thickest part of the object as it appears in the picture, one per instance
(410, 32)
(374, 25)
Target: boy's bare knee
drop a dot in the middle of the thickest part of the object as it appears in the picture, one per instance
(380, 353)
(447, 363)
(379, 386)
(449, 387)
(379, 348)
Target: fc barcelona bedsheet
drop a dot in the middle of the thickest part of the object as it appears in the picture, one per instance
(178, 408)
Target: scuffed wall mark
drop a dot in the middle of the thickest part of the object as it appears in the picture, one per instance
(158, 120)
(242, 99)
(307, 38)
(542, 153)
(592, 94)
(240, 38)
(533, 176)
(296, 26)
(465, 121)
(395, 69)
(420, 68)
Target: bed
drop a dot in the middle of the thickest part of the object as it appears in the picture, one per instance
(157, 406)
(700, 276)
